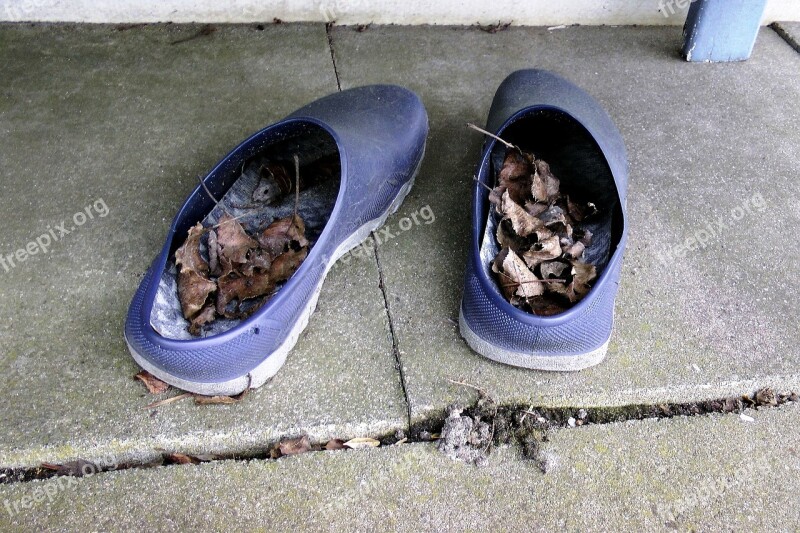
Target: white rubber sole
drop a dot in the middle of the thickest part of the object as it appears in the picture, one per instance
(553, 363)
(270, 366)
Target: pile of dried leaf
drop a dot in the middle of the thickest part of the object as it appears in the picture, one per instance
(242, 270)
(540, 266)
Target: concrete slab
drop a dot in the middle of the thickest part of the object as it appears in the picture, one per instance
(706, 144)
(122, 117)
(790, 31)
(690, 474)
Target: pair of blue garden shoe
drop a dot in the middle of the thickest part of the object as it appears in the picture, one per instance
(377, 134)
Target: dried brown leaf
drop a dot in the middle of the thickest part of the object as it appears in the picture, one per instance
(507, 237)
(207, 315)
(362, 442)
(295, 446)
(514, 276)
(239, 288)
(582, 275)
(540, 252)
(193, 291)
(167, 401)
(216, 400)
(283, 235)
(575, 251)
(335, 444)
(188, 256)
(287, 264)
(233, 240)
(552, 185)
(153, 384)
(523, 222)
(183, 459)
(553, 269)
(539, 189)
(76, 468)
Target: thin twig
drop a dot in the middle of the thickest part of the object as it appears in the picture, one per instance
(208, 192)
(474, 387)
(513, 283)
(168, 401)
(296, 184)
(482, 184)
(229, 220)
(531, 280)
(526, 413)
(493, 136)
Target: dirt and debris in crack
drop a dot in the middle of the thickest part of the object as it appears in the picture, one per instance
(469, 434)
(465, 438)
(494, 28)
(205, 31)
(286, 447)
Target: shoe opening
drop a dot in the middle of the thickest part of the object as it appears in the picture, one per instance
(578, 163)
(257, 191)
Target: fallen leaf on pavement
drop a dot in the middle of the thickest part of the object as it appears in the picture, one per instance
(199, 399)
(295, 446)
(362, 442)
(153, 384)
(168, 401)
(335, 444)
(77, 468)
(183, 459)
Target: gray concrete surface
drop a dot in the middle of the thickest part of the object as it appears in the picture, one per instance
(702, 141)
(90, 113)
(790, 31)
(715, 473)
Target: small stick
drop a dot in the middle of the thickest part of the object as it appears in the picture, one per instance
(468, 385)
(168, 401)
(532, 280)
(482, 184)
(229, 220)
(205, 188)
(208, 192)
(296, 184)
(493, 136)
(526, 413)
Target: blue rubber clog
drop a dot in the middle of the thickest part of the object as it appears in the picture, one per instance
(376, 135)
(549, 116)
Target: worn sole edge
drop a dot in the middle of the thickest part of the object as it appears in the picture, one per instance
(274, 361)
(553, 363)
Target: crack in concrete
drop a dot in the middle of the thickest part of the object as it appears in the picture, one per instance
(395, 345)
(329, 35)
(785, 35)
(523, 426)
